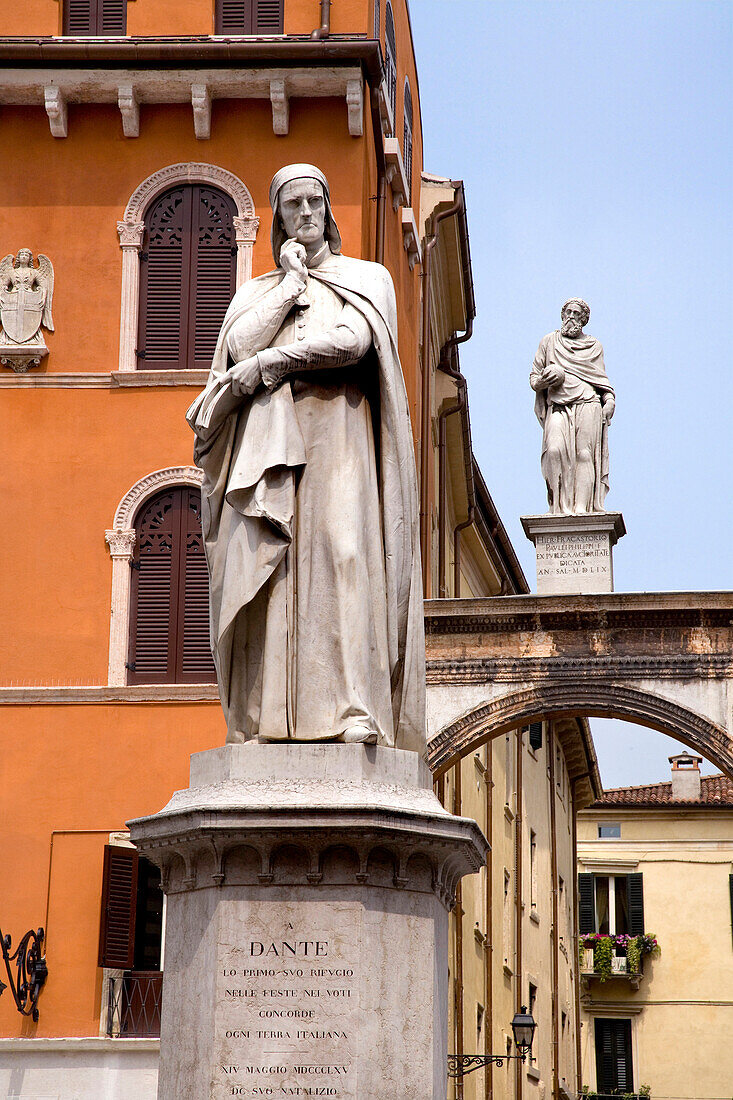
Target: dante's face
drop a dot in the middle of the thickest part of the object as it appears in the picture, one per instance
(303, 211)
(572, 320)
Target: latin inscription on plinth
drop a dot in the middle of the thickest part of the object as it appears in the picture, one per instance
(574, 562)
(288, 994)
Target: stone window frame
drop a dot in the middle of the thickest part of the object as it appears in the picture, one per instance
(131, 231)
(120, 539)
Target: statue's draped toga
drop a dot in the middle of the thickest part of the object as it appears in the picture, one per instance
(310, 514)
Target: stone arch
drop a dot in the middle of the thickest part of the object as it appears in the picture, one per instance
(132, 227)
(120, 539)
(573, 699)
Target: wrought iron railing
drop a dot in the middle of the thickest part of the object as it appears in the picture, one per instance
(133, 1005)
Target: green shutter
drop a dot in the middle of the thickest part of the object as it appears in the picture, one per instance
(586, 905)
(636, 904)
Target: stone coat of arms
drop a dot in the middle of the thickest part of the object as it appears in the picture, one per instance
(26, 294)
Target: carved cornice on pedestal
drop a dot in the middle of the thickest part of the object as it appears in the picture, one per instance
(130, 110)
(131, 234)
(55, 103)
(201, 103)
(280, 107)
(121, 543)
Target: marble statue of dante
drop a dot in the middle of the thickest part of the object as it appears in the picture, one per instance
(309, 500)
(574, 404)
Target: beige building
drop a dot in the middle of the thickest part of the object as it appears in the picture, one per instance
(659, 859)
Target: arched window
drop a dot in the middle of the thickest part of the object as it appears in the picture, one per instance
(249, 17)
(187, 277)
(390, 57)
(169, 607)
(407, 141)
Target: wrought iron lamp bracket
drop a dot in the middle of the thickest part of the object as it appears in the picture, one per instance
(461, 1064)
(31, 970)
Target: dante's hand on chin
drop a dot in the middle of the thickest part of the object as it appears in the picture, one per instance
(245, 376)
(292, 258)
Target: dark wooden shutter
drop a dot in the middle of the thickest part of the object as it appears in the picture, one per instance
(730, 889)
(390, 58)
(377, 20)
(119, 896)
(586, 905)
(112, 16)
(187, 277)
(95, 17)
(153, 608)
(268, 16)
(169, 606)
(195, 664)
(535, 735)
(249, 17)
(614, 1068)
(635, 888)
(407, 141)
(212, 271)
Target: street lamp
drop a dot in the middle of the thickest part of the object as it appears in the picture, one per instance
(523, 1028)
(31, 971)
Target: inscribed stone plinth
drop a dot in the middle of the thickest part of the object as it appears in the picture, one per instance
(308, 889)
(574, 553)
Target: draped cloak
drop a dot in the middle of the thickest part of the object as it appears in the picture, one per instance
(253, 454)
(581, 357)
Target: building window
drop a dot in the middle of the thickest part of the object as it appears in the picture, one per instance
(377, 20)
(187, 277)
(611, 904)
(609, 832)
(535, 736)
(131, 942)
(407, 142)
(390, 58)
(614, 1069)
(533, 868)
(169, 612)
(507, 922)
(508, 769)
(249, 17)
(95, 17)
(479, 1022)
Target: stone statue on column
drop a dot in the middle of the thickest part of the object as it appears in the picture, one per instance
(574, 404)
(310, 506)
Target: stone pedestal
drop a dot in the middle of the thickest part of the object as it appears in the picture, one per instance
(306, 948)
(574, 553)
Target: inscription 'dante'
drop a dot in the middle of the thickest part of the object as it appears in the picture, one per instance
(287, 1013)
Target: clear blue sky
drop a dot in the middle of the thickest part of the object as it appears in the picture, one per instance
(595, 140)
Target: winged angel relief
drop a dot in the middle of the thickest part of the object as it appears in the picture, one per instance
(26, 294)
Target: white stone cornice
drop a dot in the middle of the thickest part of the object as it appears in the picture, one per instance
(355, 106)
(128, 88)
(201, 102)
(280, 106)
(121, 543)
(410, 237)
(395, 172)
(129, 109)
(55, 102)
(131, 234)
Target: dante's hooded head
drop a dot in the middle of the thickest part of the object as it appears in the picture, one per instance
(286, 175)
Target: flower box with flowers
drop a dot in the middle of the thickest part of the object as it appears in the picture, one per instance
(605, 955)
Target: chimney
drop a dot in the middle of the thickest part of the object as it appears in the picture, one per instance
(685, 777)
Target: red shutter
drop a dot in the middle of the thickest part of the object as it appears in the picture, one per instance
(119, 899)
(169, 606)
(153, 610)
(112, 17)
(80, 17)
(195, 664)
(233, 17)
(212, 271)
(268, 16)
(95, 17)
(187, 277)
(164, 278)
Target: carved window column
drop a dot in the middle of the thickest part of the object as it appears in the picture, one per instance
(121, 545)
(245, 230)
(131, 242)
